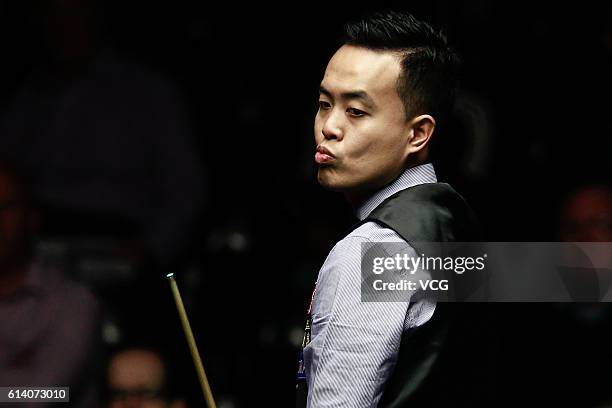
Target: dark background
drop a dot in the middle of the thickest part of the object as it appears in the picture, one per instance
(536, 79)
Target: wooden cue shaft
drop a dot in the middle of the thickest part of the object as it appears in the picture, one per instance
(197, 361)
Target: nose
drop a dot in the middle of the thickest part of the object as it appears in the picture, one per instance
(332, 126)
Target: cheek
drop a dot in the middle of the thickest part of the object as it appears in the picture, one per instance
(379, 150)
(374, 141)
(390, 140)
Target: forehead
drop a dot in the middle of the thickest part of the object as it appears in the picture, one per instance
(358, 68)
(135, 368)
(590, 201)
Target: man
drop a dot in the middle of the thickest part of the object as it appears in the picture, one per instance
(383, 93)
(586, 215)
(134, 174)
(138, 378)
(49, 325)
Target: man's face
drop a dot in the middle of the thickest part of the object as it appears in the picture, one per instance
(360, 128)
(135, 379)
(587, 216)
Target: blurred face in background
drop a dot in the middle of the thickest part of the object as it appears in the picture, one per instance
(362, 134)
(587, 216)
(136, 379)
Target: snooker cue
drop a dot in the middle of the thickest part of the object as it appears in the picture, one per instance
(195, 355)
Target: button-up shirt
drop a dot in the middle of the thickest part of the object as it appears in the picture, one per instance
(354, 344)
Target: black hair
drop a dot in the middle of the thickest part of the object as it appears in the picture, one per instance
(428, 81)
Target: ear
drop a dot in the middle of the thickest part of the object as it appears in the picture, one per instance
(421, 129)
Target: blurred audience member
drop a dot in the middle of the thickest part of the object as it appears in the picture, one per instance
(140, 378)
(105, 141)
(48, 325)
(586, 215)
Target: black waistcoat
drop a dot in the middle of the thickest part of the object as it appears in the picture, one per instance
(429, 359)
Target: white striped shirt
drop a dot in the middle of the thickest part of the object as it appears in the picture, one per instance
(355, 344)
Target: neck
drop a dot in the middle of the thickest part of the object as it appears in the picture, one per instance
(355, 199)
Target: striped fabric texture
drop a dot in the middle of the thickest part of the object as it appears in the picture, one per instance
(355, 344)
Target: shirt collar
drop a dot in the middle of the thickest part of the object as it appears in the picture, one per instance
(411, 177)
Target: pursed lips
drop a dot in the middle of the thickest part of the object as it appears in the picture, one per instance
(323, 155)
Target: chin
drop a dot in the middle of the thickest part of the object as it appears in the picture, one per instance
(330, 180)
(326, 180)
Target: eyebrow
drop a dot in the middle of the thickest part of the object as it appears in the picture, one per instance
(358, 94)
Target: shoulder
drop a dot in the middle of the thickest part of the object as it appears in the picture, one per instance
(370, 232)
(345, 256)
(67, 297)
(350, 246)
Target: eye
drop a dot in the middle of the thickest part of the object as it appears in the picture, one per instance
(356, 113)
(324, 105)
